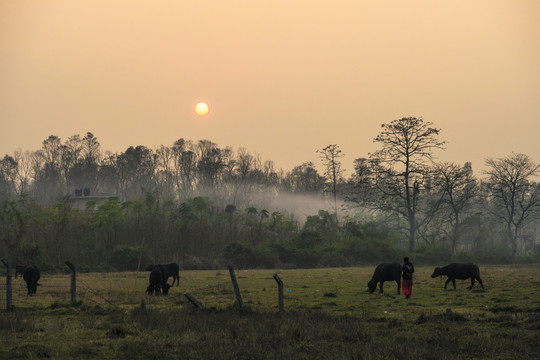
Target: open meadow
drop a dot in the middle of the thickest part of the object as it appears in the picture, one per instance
(328, 315)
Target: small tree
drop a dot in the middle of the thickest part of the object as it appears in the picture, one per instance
(330, 156)
(514, 197)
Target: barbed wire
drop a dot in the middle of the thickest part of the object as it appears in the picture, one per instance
(88, 288)
(19, 287)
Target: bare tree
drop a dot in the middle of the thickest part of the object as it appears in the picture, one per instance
(400, 167)
(8, 176)
(24, 170)
(209, 165)
(330, 156)
(459, 188)
(515, 197)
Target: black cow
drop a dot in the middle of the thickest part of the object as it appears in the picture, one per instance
(156, 280)
(31, 276)
(459, 271)
(172, 269)
(385, 272)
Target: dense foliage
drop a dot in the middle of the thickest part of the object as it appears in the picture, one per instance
(198, 235)
(205, 206)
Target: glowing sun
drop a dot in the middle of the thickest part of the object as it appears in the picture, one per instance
(202, 109)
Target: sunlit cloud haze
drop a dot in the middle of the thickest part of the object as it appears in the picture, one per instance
(282, 78)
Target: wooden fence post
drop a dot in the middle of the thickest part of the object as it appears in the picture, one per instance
(280, 292)
(9, 290)
(194, 301)
(236, 289)
(73, 283)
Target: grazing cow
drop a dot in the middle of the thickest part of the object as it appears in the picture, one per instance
(19, 270)
(171, 269)
(31, 276)
(459, 271)
(385, 272)
(156, 282)
(174, 270)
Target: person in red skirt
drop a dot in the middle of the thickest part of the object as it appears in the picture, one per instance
(408, 269)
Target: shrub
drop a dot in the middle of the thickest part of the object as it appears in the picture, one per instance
(199, 263)
(128, 258)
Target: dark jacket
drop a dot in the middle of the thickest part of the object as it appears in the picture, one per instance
(408, 270)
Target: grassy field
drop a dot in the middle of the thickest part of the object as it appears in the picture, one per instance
(329, 315)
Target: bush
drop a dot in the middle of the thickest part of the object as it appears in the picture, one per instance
(239, 255)
(371, 250)
(199, 263)
(128, 258)
(243, 256)
(433, 255)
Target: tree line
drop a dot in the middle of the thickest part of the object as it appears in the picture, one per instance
(202, 204)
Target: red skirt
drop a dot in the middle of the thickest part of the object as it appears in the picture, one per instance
(407, 287)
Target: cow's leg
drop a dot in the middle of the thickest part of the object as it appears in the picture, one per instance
(380, 286)
(454, 283)
(398, 286)
(480, 281)
(446, 283)
(472, 283)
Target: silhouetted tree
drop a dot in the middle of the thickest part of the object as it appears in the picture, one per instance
(24, 170)
(330, 156)
(515, 197)
(304, 179)
(400, 167)
(8, 176)
(459, 188)
(135, 171)
(209, 164)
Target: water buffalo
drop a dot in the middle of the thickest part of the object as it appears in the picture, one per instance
(31, 276)
(157, 281)
(172, 269)
(385, 272)
(459, 271)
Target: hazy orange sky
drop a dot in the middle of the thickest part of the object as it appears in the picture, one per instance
(282, 78)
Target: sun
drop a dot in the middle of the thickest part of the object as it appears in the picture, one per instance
(202, 109)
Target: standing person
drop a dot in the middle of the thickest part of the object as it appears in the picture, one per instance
(408, 269)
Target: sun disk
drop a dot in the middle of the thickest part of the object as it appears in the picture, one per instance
(202, 109)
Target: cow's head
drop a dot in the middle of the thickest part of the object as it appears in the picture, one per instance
(32, 288)
(436, 272)
(372, 285)
(166, 289)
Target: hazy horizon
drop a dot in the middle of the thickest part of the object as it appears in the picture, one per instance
(282, 79)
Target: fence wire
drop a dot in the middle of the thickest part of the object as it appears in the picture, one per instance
(56, 289)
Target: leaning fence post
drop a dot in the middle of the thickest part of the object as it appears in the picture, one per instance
(280, 292)
(9, 292)
(236, 289)
(194, 301)
(73, 283)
